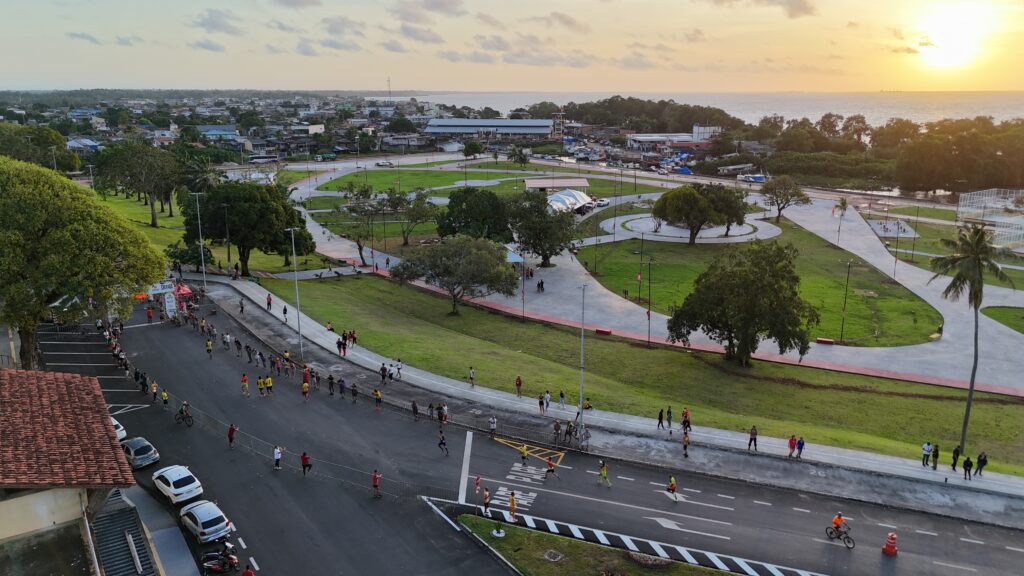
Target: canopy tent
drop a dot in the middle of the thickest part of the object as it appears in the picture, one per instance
(182, 290)
(568, 199)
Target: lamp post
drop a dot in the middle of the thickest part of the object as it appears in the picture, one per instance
(199, 222)
(227, 230)
(298, 307)
(583, 302)
(913, 239)
(846, 292)
(648, 303)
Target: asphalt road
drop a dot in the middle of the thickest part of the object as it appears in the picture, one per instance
(289, 522)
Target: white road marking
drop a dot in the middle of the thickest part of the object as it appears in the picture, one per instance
(1015, 549)
(887, 526)
(656, 483)
(629, 543)
(926, 532)
(659, 550)
(564, 466)
(745, 567)
(773, 570)
(591, 472)
(464, 479)
(828, 542)
(79, 353)
(623, 504)
(802, 510)
(673, 525)
(762, 503)
(686, 555)
(968, 568)
(255, 566)
(575, 531)
(241, 542)
(624, 478)
(74, 343)
(441, 514)
(552, 527)
(529, 521)
(684, 499)
(691, 490)
(971, 541)
(726, 496)
(718, 563)
(601, 537)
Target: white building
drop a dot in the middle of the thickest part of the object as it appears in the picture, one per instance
(654, 142)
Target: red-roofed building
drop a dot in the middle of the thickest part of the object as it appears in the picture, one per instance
(58, 451)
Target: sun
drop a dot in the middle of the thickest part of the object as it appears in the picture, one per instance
(953, 35)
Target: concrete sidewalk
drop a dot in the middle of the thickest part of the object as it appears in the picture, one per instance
(173, 554)
(823, 469)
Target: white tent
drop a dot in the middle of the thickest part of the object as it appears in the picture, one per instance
(568, 199)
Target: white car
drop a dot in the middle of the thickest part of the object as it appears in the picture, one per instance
(177, 483)
(602, 202)
(384, 164)
(205, 521)
(121, 434)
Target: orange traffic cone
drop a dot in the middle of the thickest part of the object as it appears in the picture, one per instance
(889, 548)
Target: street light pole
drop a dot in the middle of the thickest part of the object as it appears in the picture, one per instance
(298, 307)
(202, 255)
(846, 292)
(648, 303)
(227, 231)
(913, 239)
(583, 302)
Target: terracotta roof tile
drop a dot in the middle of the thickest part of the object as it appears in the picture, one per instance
(55, 431)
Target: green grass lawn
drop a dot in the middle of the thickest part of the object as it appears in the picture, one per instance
(525, 549)
(170, 229)
(894, 312)
(1008, 315)
(947, 214)
(411, 179)
(288, 177)
(838, 409)
(592, 225)
(930, 242)
(582, 170)
(429, 164)
(324, 202)
(393, 244)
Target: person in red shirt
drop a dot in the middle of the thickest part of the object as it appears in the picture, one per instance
(306, 462)
(248, 571)
(231, 436)
(268, 302)
(792, 445)
(376, 484)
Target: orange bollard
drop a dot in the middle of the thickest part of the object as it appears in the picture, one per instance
(889, 548)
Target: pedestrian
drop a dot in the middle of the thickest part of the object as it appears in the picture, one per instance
(753, 438)
(668, 417)
(926, 453)
(561, 398)
(398, 366)
(340, 343)
(442, 444)
(472, 377)
(278, 451)
(540, 403)
(547, 400)
(661, 419)
(259, 385)
(492, 426)
(522, 453)
(792, 445)
(672, 487)
(248, 352)
(238, 348)
(686, 419)
(248, 571)
(416, 412)
(307, 463)
(378, 400)
(209, 348)
(391, 372)
(604, 475)
(444, 412)
(487, 502)
(551, 469)
(686, 444)
(935, 457)
(149, 314)
(330, 384)
(512, 505)
(383, 371)
(245, 385)
(285, 308)
(558, 430)
(519, 386)
(241, 305)
(305, 392)
(164, 396)
(376, 483)
(956, 456)
(268, 302)
(330, 326)
(430, 411)
(153, 389)
(968, 465)
(982, 462)
(231, 436)
(568, 431)
(355, 392)
(269, 381)
(800, 448)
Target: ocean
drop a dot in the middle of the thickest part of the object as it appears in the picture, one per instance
(877, 107)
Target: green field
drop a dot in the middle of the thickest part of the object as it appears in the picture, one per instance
(525, 549)
(1008, 315)
(930, 242)
(429, 164)
(947, 214)
(288, 177)
(592, 225)
(324, 202)
(894, 312)
(627, 174)
(838, 409)
(170, 230)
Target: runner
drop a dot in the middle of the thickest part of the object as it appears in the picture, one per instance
(245, 385)
(604, 475)
(686, 444)
(268, 302)
(259, 385)
(153, 388)
(330, 384)
(270, 385)
(398, 366)
(551, 469)
(378, 400)
(512, 505)
(164, 396)
(355, 392)
(305, 392)
(522, 453)
(376, 482)
(307, 463)
(442, 443)
(672, 487)
(231, 436)
(209, 348)
(487, 502)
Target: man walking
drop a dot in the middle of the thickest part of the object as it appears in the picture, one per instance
(800, 448)
(668, 417)
(926, 452)
(522, 453)
(472, 377)
(547, 400)
(604, 475)
(792, 445)
(519, 386)
(268, 302)
(383, 371)
(561, 399)
(661, 419)
(492, 426)
(487, 502)
(982, 462)
(686, 444)
(278, 452)
(956, 456)
(935, 457)
(231, 436)
(376, 483)
(307, 463)
(968, 465)
(672, 487)
(753, 439)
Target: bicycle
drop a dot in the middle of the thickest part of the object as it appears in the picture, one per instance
(186, 418)
(842, 535)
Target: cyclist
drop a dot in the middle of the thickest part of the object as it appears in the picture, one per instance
(839, 524)
(183, 409)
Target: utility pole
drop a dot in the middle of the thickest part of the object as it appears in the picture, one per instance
(913, 239)
(648, 303)
(583, 302)
(846, 292)
(298, 307)
(202, 254)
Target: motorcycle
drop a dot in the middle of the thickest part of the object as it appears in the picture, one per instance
(220, 561)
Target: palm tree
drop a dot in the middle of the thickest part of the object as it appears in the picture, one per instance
(199, 175)
(842, 206)
(973, 256)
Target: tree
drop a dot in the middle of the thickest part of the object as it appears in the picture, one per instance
(519, 157)
(188, 254)
(687, 207)
(190, 134)
(472, 148)
(856, 127)
(796, 139)
(830, 124)
(400, 125)
(783, 192)
(973, 257)
(63, 253)
(140, 168)
(363, 206)
(488, 113)
(249, 119)
(198, 174)
(842, 206)
(730, 203)
(894, 133)
(475, 212)
(463, 267)
(36, 144)
(538, 228)
(744, 296)
(414, 209)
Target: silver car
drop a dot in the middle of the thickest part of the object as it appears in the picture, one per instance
(177, 483)
(140, 452)
(205, 520)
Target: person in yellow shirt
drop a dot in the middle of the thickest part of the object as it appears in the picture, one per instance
(270, 385)
(164, 396)
(305, 391)
(522, 453)
(259, 385)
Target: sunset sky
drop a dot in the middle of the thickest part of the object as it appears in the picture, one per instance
(527, 45)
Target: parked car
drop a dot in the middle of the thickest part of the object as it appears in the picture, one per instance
(177, 483)
(121, 434)
(602, 202)
(384, 164)
(205, 521)
(140, 452)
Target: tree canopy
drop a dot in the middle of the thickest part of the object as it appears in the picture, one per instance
(746, 295)
(477, 213)
(400, 125)
(133, 167)
(34, 143)
(60, 250)
(783, 192)
(538, 229)
(689, 206)
(472, 148)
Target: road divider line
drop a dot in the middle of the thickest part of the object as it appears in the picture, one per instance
(441, 514)
(624, 478)
(828, 542)
(591, 472)
(464, 479)
(967, 568)
(241, 542)
(691, 490)
(804, 510)
(971, 541)
(887, 526)
(656, 483)
(726, 496)
(255, 566)
(762, 503)
(688, 501)
(926, 532)
(1015, 549)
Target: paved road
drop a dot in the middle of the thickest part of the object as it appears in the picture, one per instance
(290, 523)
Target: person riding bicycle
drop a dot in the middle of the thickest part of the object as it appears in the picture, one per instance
(183, 410)
(839, 524)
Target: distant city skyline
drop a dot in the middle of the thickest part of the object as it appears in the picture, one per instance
(566, 45)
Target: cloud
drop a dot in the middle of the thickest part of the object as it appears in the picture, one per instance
(409, 11)
(896, 33)
(335, 44)
(343, 26)
(852, 24)
(793, 8)
(419, 34)
(393, 46)
(492, 42)
(836, 57)
(659, 47)
(283, 27)
(447, 7)
(560, 19)
(84, 36)
(218, 22)
(905, 50)
(634, 61)
(694, 35)
(490, 20)
(474, 56)
(305, 47)
(271, 49)
(129, 40)
(573, 59)
(298, 3)
(208, 45)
